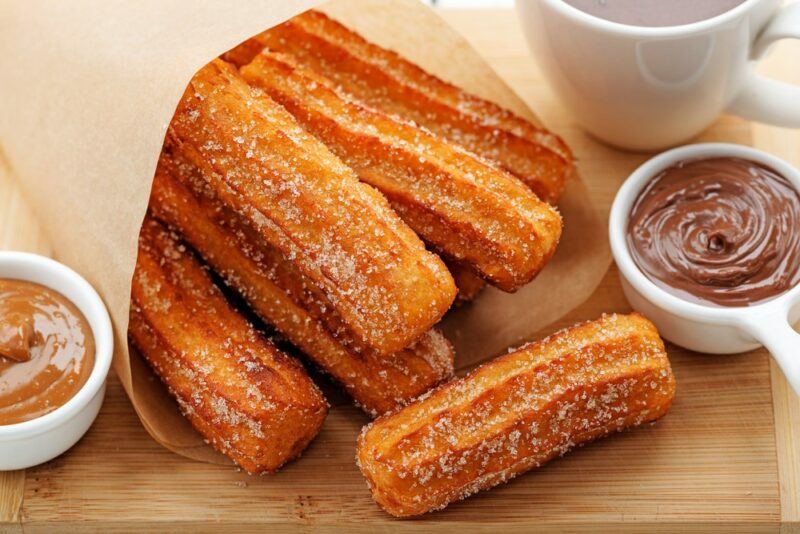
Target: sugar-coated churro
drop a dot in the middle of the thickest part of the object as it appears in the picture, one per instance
(251, 401)
(282, 297)
(255, 158)
(516, 412)
(385, 80)
(468, 283)
(466, 209)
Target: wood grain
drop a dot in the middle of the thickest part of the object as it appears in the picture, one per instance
(711, 465)
(710, 461)
(784, 63)
(12, 488)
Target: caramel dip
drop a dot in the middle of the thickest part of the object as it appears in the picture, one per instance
(719, 231)
(46, 350)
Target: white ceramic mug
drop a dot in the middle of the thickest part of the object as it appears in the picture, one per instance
(715, 330)
(646, 88)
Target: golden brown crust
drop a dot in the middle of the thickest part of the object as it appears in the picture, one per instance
(243, 53)
(387, 81)
(516, 412)
(468, 283)
(251, 401)
(256, 159)
(466, 209)
(282, 297)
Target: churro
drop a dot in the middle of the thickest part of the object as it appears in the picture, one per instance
(283, 298)
(468, 283)
(251, 401)
(254, 157)
(466, 209)
(387, 81)
(517, 412)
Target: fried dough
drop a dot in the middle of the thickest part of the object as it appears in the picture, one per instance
(468, 283)
(247, 398)
(385, 80)
(465, 209)
(283, 298)
(517, 412)
(254, 157)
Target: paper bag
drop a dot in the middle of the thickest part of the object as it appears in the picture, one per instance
(87, 91)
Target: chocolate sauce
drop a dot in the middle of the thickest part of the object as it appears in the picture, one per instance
(46, 350)
(654, 12)
(719, 231)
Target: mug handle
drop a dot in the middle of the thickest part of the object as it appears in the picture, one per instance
(763, 99)
(782, 341)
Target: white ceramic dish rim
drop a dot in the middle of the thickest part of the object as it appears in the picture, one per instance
(648, 31)
(97, 316)
(618, 223)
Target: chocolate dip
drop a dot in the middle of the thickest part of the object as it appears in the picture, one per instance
(46, 351)
(718, 231)
(654, 12)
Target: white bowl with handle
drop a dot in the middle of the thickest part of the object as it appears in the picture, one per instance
(36, 441)
(710, 329)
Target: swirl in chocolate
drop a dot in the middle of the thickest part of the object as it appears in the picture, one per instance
(720, 231)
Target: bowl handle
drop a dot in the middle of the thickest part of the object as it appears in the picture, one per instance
(782, 341)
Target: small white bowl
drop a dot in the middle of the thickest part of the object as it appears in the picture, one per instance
(715, 330)
(36, 441)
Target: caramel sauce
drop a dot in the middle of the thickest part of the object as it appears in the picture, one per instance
(46, 350)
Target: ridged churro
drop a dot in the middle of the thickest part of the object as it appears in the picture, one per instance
(251, 401)
(386, 81)
(468, 283)
(517, 412)
(466, 209)
(255, 158)
(283, 298)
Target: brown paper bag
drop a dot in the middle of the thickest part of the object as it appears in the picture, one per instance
(88, 89)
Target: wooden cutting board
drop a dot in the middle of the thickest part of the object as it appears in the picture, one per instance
(726, 458)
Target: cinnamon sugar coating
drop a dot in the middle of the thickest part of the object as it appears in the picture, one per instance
(254, 158)
(465, 208)
(385, 80)
(468, 283)
(247, 398)
(517, 412)
(284, 298)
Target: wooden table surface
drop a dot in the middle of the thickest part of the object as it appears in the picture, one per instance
(727, 457)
